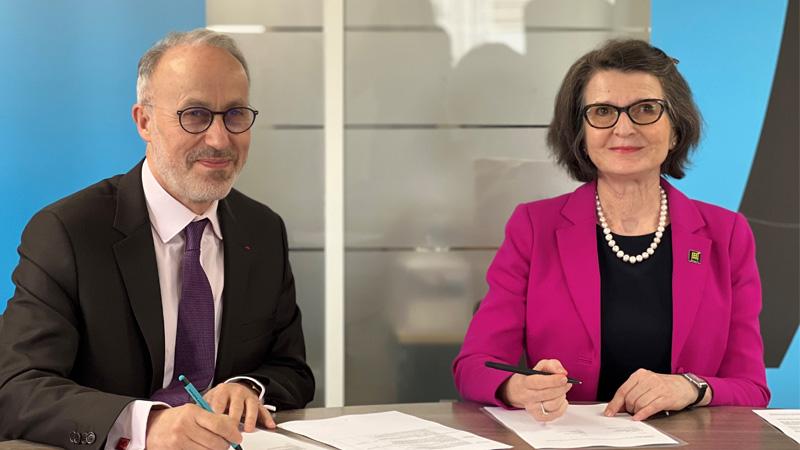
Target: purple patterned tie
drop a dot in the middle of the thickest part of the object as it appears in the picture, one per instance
(194, 340)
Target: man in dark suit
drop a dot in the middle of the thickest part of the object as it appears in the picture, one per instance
(162, 271)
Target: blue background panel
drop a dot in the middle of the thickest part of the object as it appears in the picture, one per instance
(69, 81)
(728, 52)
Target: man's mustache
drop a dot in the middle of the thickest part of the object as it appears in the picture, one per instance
(214, 153)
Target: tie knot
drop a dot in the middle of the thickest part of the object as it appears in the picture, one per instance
(194, 232)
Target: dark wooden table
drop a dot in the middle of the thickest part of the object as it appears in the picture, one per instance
(717, 428)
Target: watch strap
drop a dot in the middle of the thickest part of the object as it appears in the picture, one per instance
(701, 386)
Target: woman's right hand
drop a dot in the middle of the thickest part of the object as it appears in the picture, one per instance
(543, 396)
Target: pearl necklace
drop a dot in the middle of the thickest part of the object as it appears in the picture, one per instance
(662, 221)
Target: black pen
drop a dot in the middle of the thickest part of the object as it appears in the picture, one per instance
(514, 369)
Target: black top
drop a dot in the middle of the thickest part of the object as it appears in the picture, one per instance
(635, 310)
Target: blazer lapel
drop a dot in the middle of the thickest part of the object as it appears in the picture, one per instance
(688, 276)
(136, 259)
(239, 253)
(577, 249)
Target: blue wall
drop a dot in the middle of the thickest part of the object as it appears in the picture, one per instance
(68, 82)
(728, 52)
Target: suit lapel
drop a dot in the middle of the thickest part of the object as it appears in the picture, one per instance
(238, 261)
(688, 277)
(136, 259)
(577, 249)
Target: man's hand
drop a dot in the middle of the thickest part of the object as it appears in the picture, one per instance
(543, 396)
(190, 427)
(240, 403)
(646, 393)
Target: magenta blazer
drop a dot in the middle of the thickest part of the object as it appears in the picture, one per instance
(544, 299)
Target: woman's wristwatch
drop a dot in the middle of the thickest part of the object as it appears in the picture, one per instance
(700, 384)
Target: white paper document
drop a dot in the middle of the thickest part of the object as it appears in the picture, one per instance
(786, 420)
(581, 426)
(387, 430)
(270, 440)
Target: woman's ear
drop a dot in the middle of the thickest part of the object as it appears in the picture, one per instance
(673, 139)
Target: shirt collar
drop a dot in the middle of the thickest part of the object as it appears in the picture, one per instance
(169, 216)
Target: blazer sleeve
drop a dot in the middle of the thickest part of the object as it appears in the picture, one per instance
(39, 337)
(741, 378)
(497, 329)
(287, 378)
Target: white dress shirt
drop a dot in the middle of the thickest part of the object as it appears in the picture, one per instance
(168, 218)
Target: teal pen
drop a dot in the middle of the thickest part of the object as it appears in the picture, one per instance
(200, 401)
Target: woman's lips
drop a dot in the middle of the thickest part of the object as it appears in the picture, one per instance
(625, 149)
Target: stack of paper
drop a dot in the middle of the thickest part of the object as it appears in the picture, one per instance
(387, 430)
(271, 440)
(581, 426)
(786, 420)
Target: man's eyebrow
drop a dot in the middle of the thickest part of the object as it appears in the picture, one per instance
(194, 102)
(189, 102)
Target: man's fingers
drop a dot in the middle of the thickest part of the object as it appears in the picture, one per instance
(201, 439)
(251, 414)
(219, 403)
(236, 409)
(265, 418)
(222, 426)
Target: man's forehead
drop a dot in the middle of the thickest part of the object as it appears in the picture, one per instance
(187, 57)
(198, 72)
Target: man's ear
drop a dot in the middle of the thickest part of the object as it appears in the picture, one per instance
(141, 116)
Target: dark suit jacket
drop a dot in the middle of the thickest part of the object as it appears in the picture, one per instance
(83, 335)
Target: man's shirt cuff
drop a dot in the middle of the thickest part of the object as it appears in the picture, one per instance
(129, 431)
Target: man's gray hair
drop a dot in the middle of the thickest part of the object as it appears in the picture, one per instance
(199, 36)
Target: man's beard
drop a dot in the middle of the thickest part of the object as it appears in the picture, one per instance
(184, 184)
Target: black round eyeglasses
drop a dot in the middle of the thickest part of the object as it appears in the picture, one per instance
(198, 119)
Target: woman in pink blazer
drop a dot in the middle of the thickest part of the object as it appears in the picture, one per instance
(651, 299)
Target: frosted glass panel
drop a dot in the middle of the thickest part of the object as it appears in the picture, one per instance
(360, 13)
(285, 170)
(396, 77)
(272, 13)
(286, 72)
(406, 316)
(410, 77)
(309, 277)
(618, 14)
(443, 188)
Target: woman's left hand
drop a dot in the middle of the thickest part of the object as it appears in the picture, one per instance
(646, 393)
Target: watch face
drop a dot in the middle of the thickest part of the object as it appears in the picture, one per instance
(697, 381)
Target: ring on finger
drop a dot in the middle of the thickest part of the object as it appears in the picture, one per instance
(544, 411)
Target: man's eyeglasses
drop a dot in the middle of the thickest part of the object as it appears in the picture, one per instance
(198, 119)
(643, 112)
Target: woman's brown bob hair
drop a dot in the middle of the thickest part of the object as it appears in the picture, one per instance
(566, 136)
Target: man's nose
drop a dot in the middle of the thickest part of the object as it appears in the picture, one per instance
(217, 136)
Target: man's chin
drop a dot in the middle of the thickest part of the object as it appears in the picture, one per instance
(208, 191)
(203, 173)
